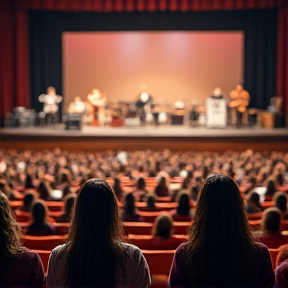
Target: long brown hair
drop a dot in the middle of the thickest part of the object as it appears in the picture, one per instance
(93, 244)
(221, 251)
(9, 232)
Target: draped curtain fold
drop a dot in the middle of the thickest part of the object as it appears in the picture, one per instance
(14, 55)
(146, 5)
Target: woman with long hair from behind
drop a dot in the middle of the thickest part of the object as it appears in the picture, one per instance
(221, 251)
(19, 267)
(94, 255)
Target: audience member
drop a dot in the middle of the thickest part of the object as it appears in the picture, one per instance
(270, 190)
(162, 232)
(40, 225)
(183, 211)
(19, 267)
(241, 262)
(140, 192)
(118, 189)
(253, 203)
(280, 200)
(129, 213)
(270, 229)
(162, 189)
(94, 255)
(69, 201)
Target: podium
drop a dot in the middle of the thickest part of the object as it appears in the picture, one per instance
(216, 113)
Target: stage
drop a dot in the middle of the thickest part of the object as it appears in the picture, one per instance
(147, 137)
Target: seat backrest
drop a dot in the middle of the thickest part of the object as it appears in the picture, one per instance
(44, 255)
(138, 228)
(159, 261)
(42, 242)
(274, 253)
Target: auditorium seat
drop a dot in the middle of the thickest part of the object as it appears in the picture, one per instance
(274, 253)
(55, 205)
(15, 204)
(44, 255)
(254, 216)
(145, 228)
(22, 216)
(42, 242)
(146, 241)
(61, 228)
(267, 204)
(149, 216)
(159, 262)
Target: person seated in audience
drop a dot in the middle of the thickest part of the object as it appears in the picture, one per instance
(280, 200)
(217, 254)
(183, 211)
(118, 189)
(270, 234)
(43, 191)
(162, 190)
(253, 203)
(270, 190)
(29, 183)
(64, 182)
(40, 225)
(95, 255)
(19, 267)
(28, 200)
(140, 192)
(151, 204)
(185, 187)
(69, 201)
(130, 213)
(162, 232)
(251, 185)
(281, 272)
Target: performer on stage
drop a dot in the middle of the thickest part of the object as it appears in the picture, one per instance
(78, 106)
(96, 101)
(144, 105)
(51, 101)
(239, 101)
(217, 94)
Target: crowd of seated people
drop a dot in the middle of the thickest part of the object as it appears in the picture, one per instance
(41, 177)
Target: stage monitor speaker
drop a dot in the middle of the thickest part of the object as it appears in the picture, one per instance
(72, 121)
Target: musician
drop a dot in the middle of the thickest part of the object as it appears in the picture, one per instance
(239, 101)
(78, 106)
(51, 101)
(96, 101)
(217, 94)
(144, 104)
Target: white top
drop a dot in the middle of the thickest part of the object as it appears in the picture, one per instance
(136, 270)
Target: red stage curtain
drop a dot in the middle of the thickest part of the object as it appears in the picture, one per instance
(7, 85)
(282, 57)
(146, 5)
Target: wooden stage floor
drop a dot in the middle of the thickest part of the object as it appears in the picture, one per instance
(155, 138)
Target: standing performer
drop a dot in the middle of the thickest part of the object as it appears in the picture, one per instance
(144, 105)
(51, 101)
(96, 101)
(239, 101)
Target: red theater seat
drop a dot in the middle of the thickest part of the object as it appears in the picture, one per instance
(43, 242)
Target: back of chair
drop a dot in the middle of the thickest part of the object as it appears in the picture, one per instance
(159, 261)
(42, 242)
(138, 228)
(44, 255)
(274, 253)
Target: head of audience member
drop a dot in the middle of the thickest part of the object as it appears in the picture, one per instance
(39, 212)
(162, 182)
(280, 200)
(43, 191)
(118, 189)
(184, 206)
(271, 220)
(66, 191)
(186, 182)
(271, 188)
(252, 183)
(254, 200)
(151, 201)
(129, 204)
(282, 255)
(10, 236)
(69, 201)
(93, 249)
(163, 226)
(64, 178)
(29, 182)
(213, 235)
(28, 199)
(141, 184)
